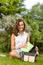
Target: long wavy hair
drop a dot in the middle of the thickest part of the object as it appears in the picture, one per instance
(15, 29)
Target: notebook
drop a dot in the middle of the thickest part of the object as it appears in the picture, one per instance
(28, 48)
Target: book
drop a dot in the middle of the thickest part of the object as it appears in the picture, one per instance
(28, 48)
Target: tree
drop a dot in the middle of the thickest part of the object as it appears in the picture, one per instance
(11, 6)
(34, 18)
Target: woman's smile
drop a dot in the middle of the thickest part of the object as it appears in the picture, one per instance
(21, 26)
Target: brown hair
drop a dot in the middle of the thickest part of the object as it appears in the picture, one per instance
(15, 29)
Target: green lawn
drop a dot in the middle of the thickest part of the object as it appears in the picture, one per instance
(7, 61)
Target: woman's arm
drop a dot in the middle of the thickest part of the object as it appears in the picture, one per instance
(28, 38)
(13, 42)
(25, 45)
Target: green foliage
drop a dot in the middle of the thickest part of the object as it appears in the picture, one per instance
(4, 41)
(34, 18)
(7, 22)
(11, 6)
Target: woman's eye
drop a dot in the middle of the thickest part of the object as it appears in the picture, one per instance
(21, 25)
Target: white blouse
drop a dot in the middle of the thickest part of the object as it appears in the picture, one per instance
(21, 39)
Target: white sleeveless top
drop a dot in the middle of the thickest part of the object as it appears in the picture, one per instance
(21, 39)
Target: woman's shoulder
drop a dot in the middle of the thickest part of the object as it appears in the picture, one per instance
(25, 32)
(12, 35)
(28, 36)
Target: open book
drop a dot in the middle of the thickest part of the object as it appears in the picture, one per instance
(28, 48)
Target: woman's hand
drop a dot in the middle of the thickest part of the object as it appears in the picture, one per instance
(25, 46)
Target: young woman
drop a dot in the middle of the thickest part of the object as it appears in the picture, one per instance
(19, 38)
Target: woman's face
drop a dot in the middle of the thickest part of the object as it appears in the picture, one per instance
(21, 26)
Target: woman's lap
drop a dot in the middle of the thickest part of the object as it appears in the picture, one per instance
(17, 52)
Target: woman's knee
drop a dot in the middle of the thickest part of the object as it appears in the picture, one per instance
(11, 54)
(14, 54)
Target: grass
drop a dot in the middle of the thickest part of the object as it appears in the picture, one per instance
(8, 61)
